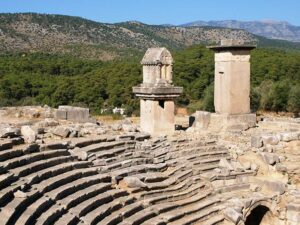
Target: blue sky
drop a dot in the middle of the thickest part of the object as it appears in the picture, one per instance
(162, 11)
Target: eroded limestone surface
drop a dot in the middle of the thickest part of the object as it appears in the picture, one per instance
(95, 173)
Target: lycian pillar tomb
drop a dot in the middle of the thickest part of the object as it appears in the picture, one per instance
(157, 93)
(231, 90)
(232, 77)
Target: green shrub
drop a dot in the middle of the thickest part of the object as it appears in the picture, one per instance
(294, 100)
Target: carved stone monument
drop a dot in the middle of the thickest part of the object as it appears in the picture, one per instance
(157, 93)
(232, 77)
(232, 86)
(231, 89)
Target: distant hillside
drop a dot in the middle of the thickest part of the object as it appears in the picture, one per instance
(30, 32)
(270, 29)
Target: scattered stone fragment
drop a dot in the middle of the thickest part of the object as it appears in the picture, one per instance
(61, 131)
(29, 134)
(254, 167)
(270, 139)
(247, 165)
(134, 182)
(225, 164)
(20, 194)
(9, 131)
(275, 186)
(232, 215)
(269, 158)
(289, 136)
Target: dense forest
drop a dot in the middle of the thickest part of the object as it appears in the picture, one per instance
(39, 78)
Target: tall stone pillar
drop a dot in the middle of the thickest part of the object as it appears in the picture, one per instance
(232, 77)
(157, 93)
(232, 89)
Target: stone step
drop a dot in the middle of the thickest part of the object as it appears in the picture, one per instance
(7, 179)
(139, 217)
(33, 157)
(40, 165)
(202, 152)
(90, 204)
(59, 180)
(83, 208)
(5, 144)
(120, 174)
(17, 140)
(72, 200)
(200, 156)
(111, 152)
(216, 219)
(19, 204)
(9, 213)
(56, 167)
(129, 153)
(204, 168)
(17, 151)
(112, 212)
(180, 195)
(82, 195)
(67, 219)
(29, 215)
(6, 193)
(162, 208)
(126, 163)
(152, 177)
(10, 153)
(77, 185)
(196, 216)
(196, 147)
(180, 212)
(231, 188)
(102, 146)
(119, 215)
(54, 145)
(83, 142)
(170, 181)
(173, 189)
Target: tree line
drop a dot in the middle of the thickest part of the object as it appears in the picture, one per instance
(40, 78)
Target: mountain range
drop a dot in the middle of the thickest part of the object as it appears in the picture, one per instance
(31, 32)
(268, 28)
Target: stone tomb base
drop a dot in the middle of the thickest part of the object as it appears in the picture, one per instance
(202, 120)
(157, 116)
(75, 114)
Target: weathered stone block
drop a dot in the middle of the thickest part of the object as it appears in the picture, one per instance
(200, 119)
(270, 139)
(61, 114)
(61, 131)
(289, 136)
(76, 114)
(275, 186)
(8, 131)
(232, 215)
(269, 158)
(256, 141)
(29, 134)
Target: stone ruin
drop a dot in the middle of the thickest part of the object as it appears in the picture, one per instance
(157, 93)
(75, 114)
(231, 89)
(96, 173)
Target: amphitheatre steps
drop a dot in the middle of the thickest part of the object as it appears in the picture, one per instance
(117, 205)
(81, 182)
(212, 220)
